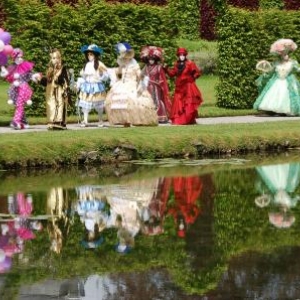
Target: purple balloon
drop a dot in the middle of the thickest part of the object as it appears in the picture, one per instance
(5, 37)
(3, 59)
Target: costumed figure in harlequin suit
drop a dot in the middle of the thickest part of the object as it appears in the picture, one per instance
(57, 83)
(91, 84)
(18, 75)
(279, 88)
(187, 97)
(128, 102)
(152, 56)
(278, 192)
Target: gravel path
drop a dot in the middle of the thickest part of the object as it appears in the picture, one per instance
(200, 121)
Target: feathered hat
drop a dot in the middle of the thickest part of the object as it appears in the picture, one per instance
(283, 46)
(92, 48)
(148, 52)
(124, 50)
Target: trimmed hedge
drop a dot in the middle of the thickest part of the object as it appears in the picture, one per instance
(244, 38)
(36, 28)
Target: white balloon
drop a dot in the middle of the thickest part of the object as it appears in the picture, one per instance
(1, 46)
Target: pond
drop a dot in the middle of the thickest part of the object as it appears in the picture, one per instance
(166, 229)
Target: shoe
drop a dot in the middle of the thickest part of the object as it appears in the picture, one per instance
(26, 126)
(83, 124)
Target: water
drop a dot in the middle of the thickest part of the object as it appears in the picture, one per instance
(170, 229)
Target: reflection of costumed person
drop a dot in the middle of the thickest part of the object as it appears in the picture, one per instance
(281, 181)
(158, 85)
(18, 75)
(128, 101)
(126, 205)
(91, 209)
(278, 86)
(186, 210)
(187, 97)
(91, 84)
(57, 83)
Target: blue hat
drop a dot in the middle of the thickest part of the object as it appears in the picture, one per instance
(124, 50)
(92, 244)
(123, 249)
(92, 48)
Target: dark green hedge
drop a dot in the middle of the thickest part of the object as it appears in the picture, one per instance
(244, 39)
(36, 28)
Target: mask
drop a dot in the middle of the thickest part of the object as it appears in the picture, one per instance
(91, 56)
(151, 61)
(18, 60)
(181, 57)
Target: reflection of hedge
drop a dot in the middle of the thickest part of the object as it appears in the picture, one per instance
(36, 28)
(244, 38)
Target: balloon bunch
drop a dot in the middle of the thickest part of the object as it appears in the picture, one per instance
(5, 48)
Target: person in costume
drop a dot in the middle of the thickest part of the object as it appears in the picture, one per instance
(57, 83)
(187, 97)
(158, 87)
(279, 88)
(277, 189)
(91, 84)
(128, 102)
(18, 75)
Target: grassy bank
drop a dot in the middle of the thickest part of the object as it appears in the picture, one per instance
(79, 147)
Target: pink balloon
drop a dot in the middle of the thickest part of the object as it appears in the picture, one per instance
(1, 30)
(8, 49)
(5, 37)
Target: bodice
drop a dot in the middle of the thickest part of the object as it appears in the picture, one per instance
(284, 69)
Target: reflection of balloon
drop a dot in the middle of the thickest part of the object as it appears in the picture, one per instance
(1, 46)
(3, 59)
(5, 37)
(8, 49)
(2, 255)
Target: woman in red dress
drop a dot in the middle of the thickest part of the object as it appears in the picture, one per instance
(152, 56)
(187, 96)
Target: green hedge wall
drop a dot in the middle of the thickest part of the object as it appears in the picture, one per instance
(36, 29)
(245, 38)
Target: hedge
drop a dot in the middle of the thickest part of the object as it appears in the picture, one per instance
(244, 38)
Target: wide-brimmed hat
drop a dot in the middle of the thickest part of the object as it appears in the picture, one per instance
(148, 52)
(181, 51)
(124, 50)
(283, 46)
(92, 48)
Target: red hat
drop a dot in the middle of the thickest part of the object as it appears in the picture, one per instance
(181, 51)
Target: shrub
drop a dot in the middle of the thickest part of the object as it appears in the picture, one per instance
(71, 27)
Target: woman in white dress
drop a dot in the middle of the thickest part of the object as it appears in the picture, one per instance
(128, 102)
(278, 86)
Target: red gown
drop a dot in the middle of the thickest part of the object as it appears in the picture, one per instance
(187, 96)
(159, 90)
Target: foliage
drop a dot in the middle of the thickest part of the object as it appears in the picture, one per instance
(291, 4)
(244, 39)
(185, 15)
(271, 4)
(28, 22)
(208, 17)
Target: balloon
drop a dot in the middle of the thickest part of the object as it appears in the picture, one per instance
(5, 37)
(8, 49)
(3, 59)
(1, 30)
(1, 46)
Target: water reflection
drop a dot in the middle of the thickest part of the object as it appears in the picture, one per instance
(190, 235)
(278, 185)
(17, 227)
